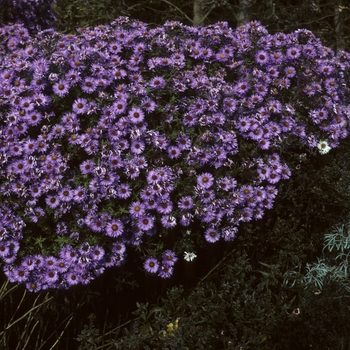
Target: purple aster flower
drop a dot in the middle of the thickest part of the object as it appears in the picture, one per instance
(267, 203)
(271, 192)
(169, 258)
(211, 235)
(241, 88)
(97, 224)
(189, 119)
(28, 262)
(293, 53)
(264, 144)
(137, 147)
(60, 88)
(50, 262)
(309, 51)
(218, 118)
(52, 201)
(150, 203)
(157, 82)
(18, 275)
(73, 76)
(261, 89)
(258, 213)
(118, 73)
(62, 266)
(148, 105)
(262, 57)
(256, 134)
(123, 191)
(80, 194)
(151, 265)
(80, 106)
(183, 142)
(34, 286)
(243, 124)
(66, 194)
(119, 106)
(50, 276)
(229, 233)
(165, 271)
(185, 203)
(168, 221)
(136, 115)
(290, 71)
(88, 85)
(118, 248)
(285, 172)
(72, 277)
(153, 177)
(273, 71)
(115, 161)
(264, 172)
(36, 213)
(165, 206)
(206, 195)
(174, 152)
(137, 209)
(145, 222)
(69, 254)
(205, 180)
(330, 84)
(97, 253)
(33, 118)
(274, 177)
(287, 124)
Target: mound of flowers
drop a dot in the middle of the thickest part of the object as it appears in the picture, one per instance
(130, 137)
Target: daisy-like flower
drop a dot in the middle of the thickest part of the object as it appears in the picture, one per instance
(80, 106)
(211, 235)
(189, 256)
(174, 152)
(168, 221)
(157, 83)
(137, 209)
(114, 228)
(124, 191)
(293, 53)
(145, 222)
(185, 203)
(323, 147)
(165, 271)
(72, 278)
(60, 88)
(205, 180)
(136, 115)
(151, 265)
(66, 194)
(262, 57)
(169, 258)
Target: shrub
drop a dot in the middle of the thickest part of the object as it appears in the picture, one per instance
(159, 140)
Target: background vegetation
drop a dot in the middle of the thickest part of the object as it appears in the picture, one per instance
(282, 284)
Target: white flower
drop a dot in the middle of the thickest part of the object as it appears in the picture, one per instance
(323, 147)
(189, 256)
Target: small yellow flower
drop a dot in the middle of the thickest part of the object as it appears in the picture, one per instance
(171, 327)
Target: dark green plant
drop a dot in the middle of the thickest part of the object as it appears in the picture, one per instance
(88, 337)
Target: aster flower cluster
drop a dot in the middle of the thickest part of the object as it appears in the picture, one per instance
(125, 136)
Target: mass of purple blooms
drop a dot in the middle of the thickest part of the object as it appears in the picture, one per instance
(123, 135)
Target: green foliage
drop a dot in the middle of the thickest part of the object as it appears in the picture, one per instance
(88, 336)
